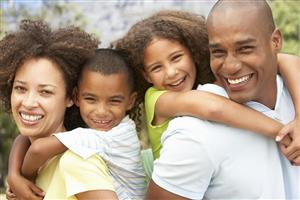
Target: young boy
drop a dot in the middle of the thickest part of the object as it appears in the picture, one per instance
(105, 94)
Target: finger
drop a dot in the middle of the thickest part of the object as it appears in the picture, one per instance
(283, 149)
(9, 193)
(286, 141)
(282, 133)
(294, 155)
(292, 148)
(296, 161)
(38, 191)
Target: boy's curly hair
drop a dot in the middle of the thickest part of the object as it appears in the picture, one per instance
(67, 47)
(184, 27)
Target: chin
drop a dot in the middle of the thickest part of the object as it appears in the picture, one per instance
(240, 98)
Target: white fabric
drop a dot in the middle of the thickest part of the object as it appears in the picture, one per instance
(119, 148)
(202, 159)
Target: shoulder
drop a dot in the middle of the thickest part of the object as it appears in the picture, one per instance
(213, 88)
(152, 94)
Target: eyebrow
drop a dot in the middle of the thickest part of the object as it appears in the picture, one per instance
(238, 43)
(118, 97)
(40, 85)
(88, 94)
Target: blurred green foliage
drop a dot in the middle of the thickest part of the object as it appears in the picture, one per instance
(287, 19)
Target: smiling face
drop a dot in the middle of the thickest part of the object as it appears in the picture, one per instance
(103, 99)
(38, 98)
(243, 55)
(169, 66)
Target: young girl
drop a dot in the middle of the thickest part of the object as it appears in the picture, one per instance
(170, 50)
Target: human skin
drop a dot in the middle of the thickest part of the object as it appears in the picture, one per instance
(39, 102)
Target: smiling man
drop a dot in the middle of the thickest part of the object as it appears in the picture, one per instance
(217, 161)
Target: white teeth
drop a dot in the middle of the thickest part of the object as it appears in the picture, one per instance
(101, 121)
(31, 117)
(239, 80)
(177, 83)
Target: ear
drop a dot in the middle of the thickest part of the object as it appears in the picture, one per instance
(145, 75)
(276, 40)
(70, 103)
(132, 99)
(75, 96)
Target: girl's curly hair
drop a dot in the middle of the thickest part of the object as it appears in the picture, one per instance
(184, 27)
(67, 47)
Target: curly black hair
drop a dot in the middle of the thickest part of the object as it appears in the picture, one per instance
(67, 47)
(184, 27)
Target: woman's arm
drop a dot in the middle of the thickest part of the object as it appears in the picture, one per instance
(20, 186)
(39, 152)
(213, 107)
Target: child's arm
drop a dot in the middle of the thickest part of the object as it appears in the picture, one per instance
(289, 68)
(20, 186)
(213, 107)
(39, 152)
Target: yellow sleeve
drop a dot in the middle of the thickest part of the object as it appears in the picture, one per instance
(82, 175)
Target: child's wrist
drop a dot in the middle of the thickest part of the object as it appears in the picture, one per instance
(12, 176)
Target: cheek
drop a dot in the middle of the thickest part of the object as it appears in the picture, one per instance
(215, 63)
(15, 100)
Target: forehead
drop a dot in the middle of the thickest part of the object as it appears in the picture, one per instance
(235, 24)
(113, 83)
(40, 70)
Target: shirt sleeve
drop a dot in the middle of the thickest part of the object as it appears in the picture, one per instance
(84, 142)
(151, 97)
(184, 168)
(84, 175)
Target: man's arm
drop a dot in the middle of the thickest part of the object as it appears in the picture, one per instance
(97, 194)
(155, 192)
(289, 68)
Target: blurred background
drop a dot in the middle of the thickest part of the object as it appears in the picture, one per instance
(109, 20)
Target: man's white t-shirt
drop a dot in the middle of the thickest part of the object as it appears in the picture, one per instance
(203, 159)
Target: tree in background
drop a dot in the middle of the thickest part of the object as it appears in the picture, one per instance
(287, 17)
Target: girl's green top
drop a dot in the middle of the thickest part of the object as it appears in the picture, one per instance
(154, 131)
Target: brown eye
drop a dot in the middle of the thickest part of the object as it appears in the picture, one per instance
(177, 57)
(19, 89)
(155, 68)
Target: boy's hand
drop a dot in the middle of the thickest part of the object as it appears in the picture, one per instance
(23, 189)
(292, 151)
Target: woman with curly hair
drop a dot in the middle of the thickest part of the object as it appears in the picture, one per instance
(38, 71)
(169, 51)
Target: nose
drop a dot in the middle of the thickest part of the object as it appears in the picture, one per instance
(171, 71)
(231, 65)
(30, 100)
(102, 109)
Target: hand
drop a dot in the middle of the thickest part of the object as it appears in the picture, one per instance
(9, 194)
(291, 151)
(23, 189)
